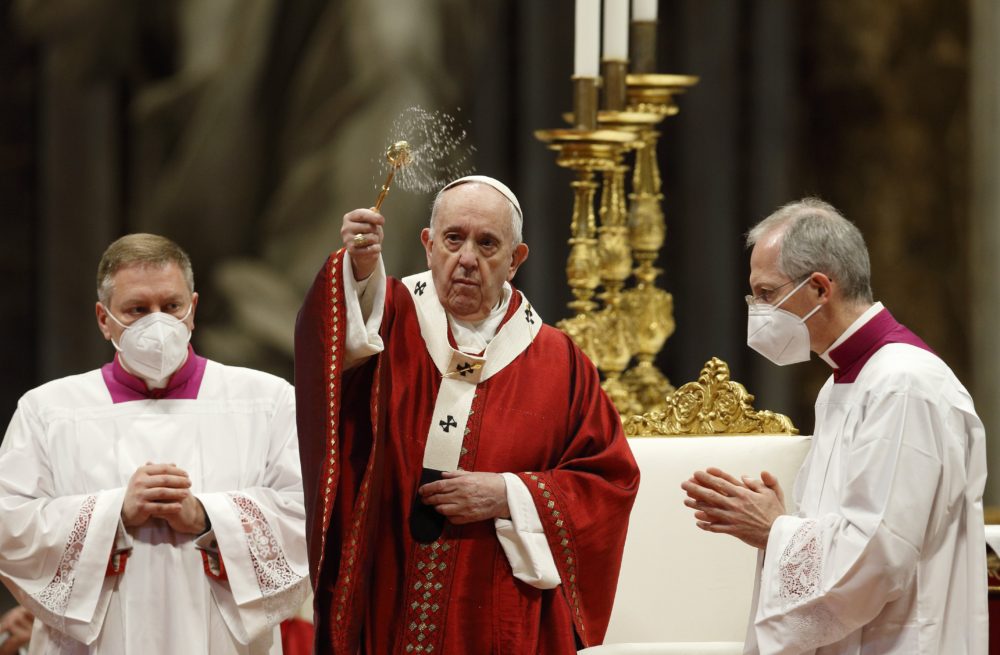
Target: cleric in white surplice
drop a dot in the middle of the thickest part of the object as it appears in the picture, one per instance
(154, 505)
(887, 551)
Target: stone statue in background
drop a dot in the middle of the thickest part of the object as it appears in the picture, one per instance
(248, 121)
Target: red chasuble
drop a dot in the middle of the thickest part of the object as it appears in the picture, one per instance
(362, 435)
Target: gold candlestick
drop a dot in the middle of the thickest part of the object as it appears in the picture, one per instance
(613, 246)
(654, 93)
(585, 102)
(616, 251)
(616, 344)
(650, 308)
(642, 46)
(601, 335)
(619, 331)
(613, 72)
(585, 152)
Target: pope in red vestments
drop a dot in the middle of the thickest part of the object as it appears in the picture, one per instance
(468, 483)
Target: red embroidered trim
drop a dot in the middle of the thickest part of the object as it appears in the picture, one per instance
(428, 589)
(214, 565)
(560, 537)
(116, 564)
(433, 565)
(350, 559)
(333, 343)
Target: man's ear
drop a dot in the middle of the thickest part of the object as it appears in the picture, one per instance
(516, 259)
(823, 286)
(425, 238)
(102, 320)
(194, 307)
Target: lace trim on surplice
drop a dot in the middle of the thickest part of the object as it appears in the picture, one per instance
(277, 582)
(53, 600)
(801, 565)
(55, 596)
(800, 569)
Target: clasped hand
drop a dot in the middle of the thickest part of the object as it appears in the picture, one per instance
(17, 623)
(466, 496)
(744, 508)
(163, 491)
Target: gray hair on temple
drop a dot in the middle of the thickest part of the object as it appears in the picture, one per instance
(817, 238)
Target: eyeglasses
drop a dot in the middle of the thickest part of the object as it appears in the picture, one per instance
(765, 296)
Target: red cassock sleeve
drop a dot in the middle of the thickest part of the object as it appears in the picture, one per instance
(585, 500)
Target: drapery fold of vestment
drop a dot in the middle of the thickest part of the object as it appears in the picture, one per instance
(363, 432)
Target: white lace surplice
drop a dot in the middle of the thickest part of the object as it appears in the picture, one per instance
(65, 461)
(886, 554)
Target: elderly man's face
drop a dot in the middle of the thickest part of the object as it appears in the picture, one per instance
(472, 253)
(143, 289)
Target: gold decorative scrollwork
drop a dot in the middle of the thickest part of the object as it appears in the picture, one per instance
(714, 404)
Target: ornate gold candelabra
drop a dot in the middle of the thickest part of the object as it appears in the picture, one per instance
(585, 150)
(651, 308)
(618, 320)
(616, 346)
(588, 152)
(626, 322)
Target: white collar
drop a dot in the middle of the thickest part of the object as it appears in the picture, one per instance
(858, 323)
(507, 343)
(473, 337)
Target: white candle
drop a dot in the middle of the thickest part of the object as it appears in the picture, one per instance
(588, 31)
(615, 29)
(644, 9)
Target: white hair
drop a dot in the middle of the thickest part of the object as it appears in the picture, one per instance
(817, 238)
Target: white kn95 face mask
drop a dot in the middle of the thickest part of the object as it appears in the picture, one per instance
(154, 346)
(777, 334)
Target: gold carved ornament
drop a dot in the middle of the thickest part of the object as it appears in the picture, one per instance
(714, 404)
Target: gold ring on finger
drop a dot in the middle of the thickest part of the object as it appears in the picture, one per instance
(359, 240)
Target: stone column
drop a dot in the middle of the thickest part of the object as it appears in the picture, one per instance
(984, 228)
(80, 214)
(771, 151)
